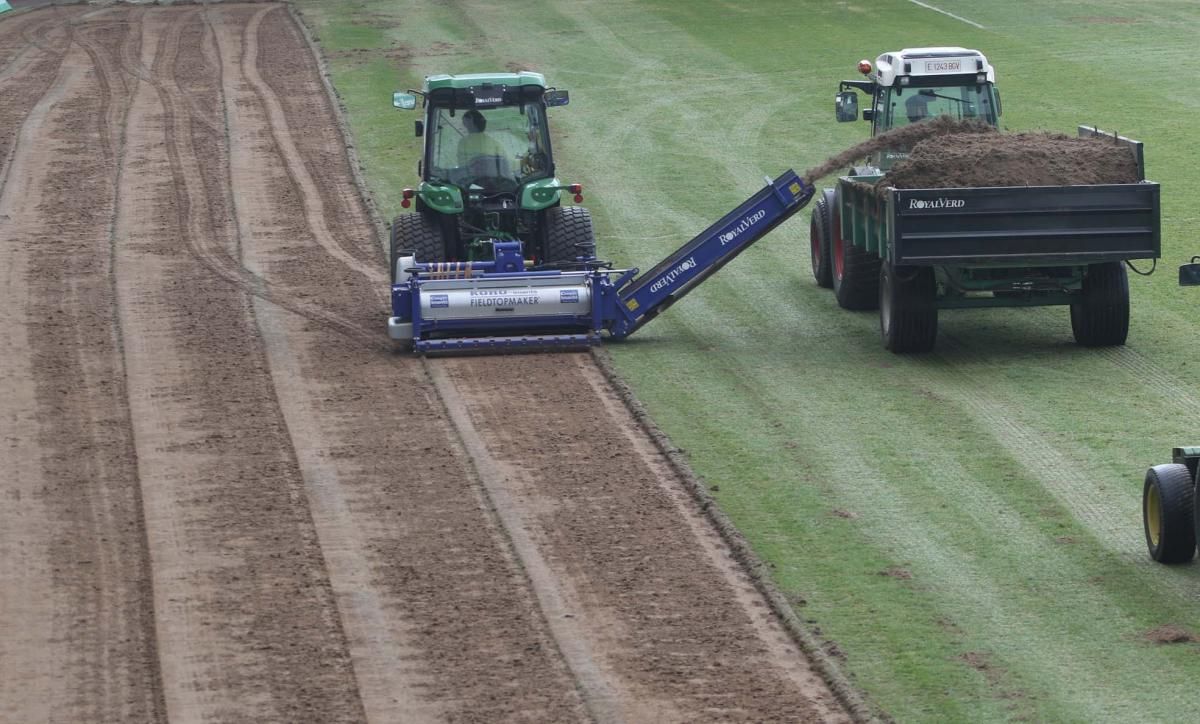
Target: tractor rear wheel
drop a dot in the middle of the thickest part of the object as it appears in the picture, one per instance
(820, 230)
(415, 232)
(908, 314)
(1168, 515)
(569, 234)
(855, 275)
(1101, 316)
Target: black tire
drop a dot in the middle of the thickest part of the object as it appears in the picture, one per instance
(820, 228)
(855, 275)
(568, 234)
(415, 232)
(1101, 317)
(908, 314)
(1168, 515)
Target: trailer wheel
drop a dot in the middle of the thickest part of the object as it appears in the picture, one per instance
(417, 233)
(1101, 317)
(855, 275)
(1168, 499)
(908, 314)
(569, 234)
(820, 231)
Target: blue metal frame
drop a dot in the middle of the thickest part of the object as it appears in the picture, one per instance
(620, 303)
(671, 279)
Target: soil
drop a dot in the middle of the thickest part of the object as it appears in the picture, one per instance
(225, 499)
(1170, 634)
(959, 160)
(905, 137)
(946, 153)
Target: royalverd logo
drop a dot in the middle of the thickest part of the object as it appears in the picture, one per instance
(938, 203)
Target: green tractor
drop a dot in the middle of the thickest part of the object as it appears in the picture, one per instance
(1170, 513)
(488, 175)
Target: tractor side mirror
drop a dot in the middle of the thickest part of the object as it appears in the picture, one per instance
(556, 97)
(420, 128)
(868, 114)
(845, 106)
(404, 101)
(1189, 274)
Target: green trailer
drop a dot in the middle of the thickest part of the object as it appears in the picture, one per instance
(913, 252)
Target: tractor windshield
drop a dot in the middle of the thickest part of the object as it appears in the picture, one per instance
(496, 149)
(900, 106)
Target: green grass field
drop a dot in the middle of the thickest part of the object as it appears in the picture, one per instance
(965, 526)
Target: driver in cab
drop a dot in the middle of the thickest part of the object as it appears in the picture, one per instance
(477, 142)
(917, 107)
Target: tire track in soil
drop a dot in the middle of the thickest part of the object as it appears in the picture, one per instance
(22, 93)
(306, 188)
(247, 626)
(440, 623)
(321, 144)
(78, 645)
(221, 260)
(377, 648)
(17, 47)
(678, 629)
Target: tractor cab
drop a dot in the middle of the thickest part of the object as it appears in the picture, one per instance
(911, 85)
(488, 149)
(486, 131)
(487, 171)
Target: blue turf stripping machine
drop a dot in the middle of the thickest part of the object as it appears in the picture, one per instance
(499, 304)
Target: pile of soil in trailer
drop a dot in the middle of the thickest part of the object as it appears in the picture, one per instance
(904, 137)
(947, 153)
(973, 160)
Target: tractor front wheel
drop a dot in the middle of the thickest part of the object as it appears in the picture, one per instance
(908, 314)
(1168, 515)
(1101, 316)
(416, 233)
(820, 244)
(569, 234)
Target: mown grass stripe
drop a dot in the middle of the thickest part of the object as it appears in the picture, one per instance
(947, 13)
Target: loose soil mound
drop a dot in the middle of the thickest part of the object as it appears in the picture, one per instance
(947, 153)
(1170, 634)
(973, 160)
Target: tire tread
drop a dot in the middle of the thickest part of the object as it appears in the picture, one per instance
(1177, 498)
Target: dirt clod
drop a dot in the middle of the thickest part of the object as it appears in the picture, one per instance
(1170, 634)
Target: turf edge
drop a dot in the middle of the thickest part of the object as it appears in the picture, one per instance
(850, 697)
